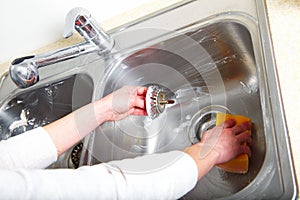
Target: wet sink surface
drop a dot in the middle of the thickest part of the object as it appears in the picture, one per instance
(213, 66)
(218, 63)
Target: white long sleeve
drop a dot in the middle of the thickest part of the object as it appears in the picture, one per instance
(33, 149)
(158, 176)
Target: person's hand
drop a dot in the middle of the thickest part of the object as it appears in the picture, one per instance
(128, 100)
(227, 141)
(220, 144)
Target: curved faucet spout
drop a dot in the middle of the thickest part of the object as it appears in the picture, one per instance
(71, 19)
(80, 19)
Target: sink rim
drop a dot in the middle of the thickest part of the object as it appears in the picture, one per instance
(275, 107)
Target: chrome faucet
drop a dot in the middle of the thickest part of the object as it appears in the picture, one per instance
(80, 19)
(24, 70)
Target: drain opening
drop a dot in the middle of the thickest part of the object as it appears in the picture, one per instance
(204, 120)
(75, 155)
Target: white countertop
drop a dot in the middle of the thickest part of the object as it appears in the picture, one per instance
(284, 17)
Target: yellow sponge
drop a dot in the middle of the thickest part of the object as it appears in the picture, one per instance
(240, 163)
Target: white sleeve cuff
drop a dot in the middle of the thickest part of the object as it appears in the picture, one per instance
(32, 149)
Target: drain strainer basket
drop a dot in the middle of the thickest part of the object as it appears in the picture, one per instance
(204, 120)
(156, 101)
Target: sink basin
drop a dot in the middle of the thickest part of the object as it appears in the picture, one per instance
(41, 106)
(24, 110)
(204, 70)
(207, 60)
(207, 65)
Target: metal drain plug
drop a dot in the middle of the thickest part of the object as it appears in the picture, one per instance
(156, 101)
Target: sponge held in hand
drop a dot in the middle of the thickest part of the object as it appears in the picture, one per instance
(240, 163)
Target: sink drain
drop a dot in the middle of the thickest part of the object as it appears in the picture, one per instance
(204, 120)
(75, 155)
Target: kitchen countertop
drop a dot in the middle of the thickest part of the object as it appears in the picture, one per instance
(284, 17)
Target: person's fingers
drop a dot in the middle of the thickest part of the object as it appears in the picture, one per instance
(228, 123)
(139, 102)
(244, 137)
(138, 111)
(142, 91)
(241, 127)
(245, 149)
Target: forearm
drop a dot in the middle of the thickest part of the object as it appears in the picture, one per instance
(36, 148)
(204, 162)
(70, 129)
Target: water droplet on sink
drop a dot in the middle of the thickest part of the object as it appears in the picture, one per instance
(139, 79)
(248, 88)
(200, 92)
(48, 91)
(184, 124)
(213, 38)
(226, 59)
(147, 121)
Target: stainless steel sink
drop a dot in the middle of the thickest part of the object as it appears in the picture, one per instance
(62, 90)
(209, 56)
(206, 69)
(209, 61)
(40, 106)
(43, 105)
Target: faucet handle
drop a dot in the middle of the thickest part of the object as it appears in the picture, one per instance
(24, 71)
(80, 19)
